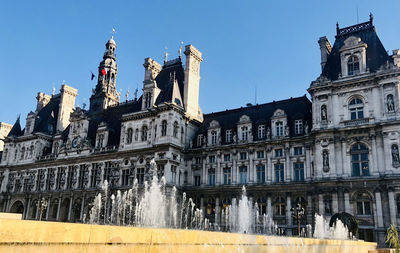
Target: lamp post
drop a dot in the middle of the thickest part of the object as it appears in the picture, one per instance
(297, 213)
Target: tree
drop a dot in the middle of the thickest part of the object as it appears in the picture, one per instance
(392, 238)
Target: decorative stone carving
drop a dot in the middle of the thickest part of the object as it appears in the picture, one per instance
(390, 103)
(325, 160)
(395, 156)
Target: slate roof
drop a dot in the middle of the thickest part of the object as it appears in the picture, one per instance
(46, 118)
(16, 129)
(376, 53)
(295, 108)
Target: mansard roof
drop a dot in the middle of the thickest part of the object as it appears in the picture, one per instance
(294, 108)
(376, 53)
(46, 118)
(165, 81)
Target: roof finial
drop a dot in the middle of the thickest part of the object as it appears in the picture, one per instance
(136, 91)
(127, 95)
(54, 91)
(371, 17)
(165, 55)
(180, 50)
(337, 28)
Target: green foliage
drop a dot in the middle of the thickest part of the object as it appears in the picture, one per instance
(392, 238)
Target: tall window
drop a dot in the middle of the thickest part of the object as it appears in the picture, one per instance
(260, 174)
(398, 205)
(260, 154)
(197, 180)
(328, 204)
(353, 65)
(227, 175)
(298, 150)
(298, 126)
(164, 128)
(144, 133)
(279, 173)
(173, 172)
(243, 155)
(58, 181)
(363, 204)
(129, 136)
(279, 128)
(227, 157)
(125, 177)
(5, 154)
(176, 128)
(261, 132)
(298, 172)
(100, 140)
(356, 108)
(199, 140)
(211, 158)
(211, 176)
(213, 137)
(243, 175)
(228, 136)
(147, 100)
(359, 160)
(278, 152)
(140, 175)
(70, 177)
(245, 133)
(280, 207)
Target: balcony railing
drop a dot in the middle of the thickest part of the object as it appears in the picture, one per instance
(356, 122)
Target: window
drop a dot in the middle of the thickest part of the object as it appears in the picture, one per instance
(261, 132)
(107, 172)
(129, 136)
(363, 204)
(278, 152)
(176, 129)
(227, 175)
(359, 160)
(356, 108)
(93, 175)
(398, 205)
(298, 150)
(70, 176)
(211, 177)
(160, 171)
(58, 181)
(147, 100)
(260, 174)
(353, 65)
(197, 180)
(327, 205)
(243, 155)
(211, 159)
(144, 133)
(245, 133)
(227, 157)
(260, 154)
(100, 140)
(279, 173)
(125, 177)
(164, 128)
(279, 128)
(213, 137)
(280, 207)
(298, 126)
(228, 136)
(298, 172)
(199, 140)
(140, 175)
(243, 175)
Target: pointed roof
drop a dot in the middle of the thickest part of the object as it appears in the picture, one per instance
(16, 129)
(376, 53)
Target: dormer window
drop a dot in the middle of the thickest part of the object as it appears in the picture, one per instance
(213, 137)
(228, 136)
(245, 134)
(261, 132)
(279, 128)
(176, 128)
(353, 65)
(200, 140)
(147, 100)
(356, 108)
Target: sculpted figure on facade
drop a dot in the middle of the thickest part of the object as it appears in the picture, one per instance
(390, 103)
(324, 113)
(325, 160)
(395, 156)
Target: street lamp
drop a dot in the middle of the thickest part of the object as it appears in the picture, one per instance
(297, 213)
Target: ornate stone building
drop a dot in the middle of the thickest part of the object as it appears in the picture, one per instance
(338, 153)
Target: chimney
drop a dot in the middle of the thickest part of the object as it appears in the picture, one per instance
(325, 47)
(152, 68)
(192, 82)
(42, 100)
(67, 104)
(396, 57)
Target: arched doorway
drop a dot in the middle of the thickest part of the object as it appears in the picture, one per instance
(17, 207)
(64, 209)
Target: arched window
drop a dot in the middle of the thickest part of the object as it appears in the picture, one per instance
(390, 103)
(176, 128)
(164, 128)
(363, 204)
(324, 113)
(279, 128)
(359, 160)
(353, 65)
(356, 108)
(213, 137)
(280, 207)
(144, 133)
(136, 134)
(129, 136)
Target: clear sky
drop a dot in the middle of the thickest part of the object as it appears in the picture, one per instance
(271, 45)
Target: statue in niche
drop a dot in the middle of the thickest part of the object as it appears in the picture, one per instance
(268, 133)
(325, 160)
(390, 103)
(306, 128)
(324, 114)
(395, 156)
(234, 138)
(286, 130)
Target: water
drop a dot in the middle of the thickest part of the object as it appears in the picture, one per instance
(155, 205)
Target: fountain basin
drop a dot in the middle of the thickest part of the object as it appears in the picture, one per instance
(34, 236)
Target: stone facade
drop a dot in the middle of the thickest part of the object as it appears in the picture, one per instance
(338, 153)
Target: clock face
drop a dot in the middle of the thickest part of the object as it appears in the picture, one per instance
(75, 142)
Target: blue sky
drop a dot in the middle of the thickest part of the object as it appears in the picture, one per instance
(271, 45)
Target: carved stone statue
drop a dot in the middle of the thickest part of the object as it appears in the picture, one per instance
(324, 114)
(325, 160)
(306, 128)
(286, 130)
(390, 103)
(268, 133)
(395, 156)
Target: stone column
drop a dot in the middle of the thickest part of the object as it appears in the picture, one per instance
(374, 169)
(234, 170)
(204, 173)
(217, 211)
(268, 168)
(309, 210)
(307, 164)
(48, 207)
(321, 210)
(269, 208)
(70, 207)
(202, 205)
(335, 203)
(82, 207)
(251, 168)
(346, 172)
(38, 207)
(392, 207)
(347, 208)
(379, 208)
(218, 174)
(288, 215)
(288, 175)
(27, 207)
(58, 208)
